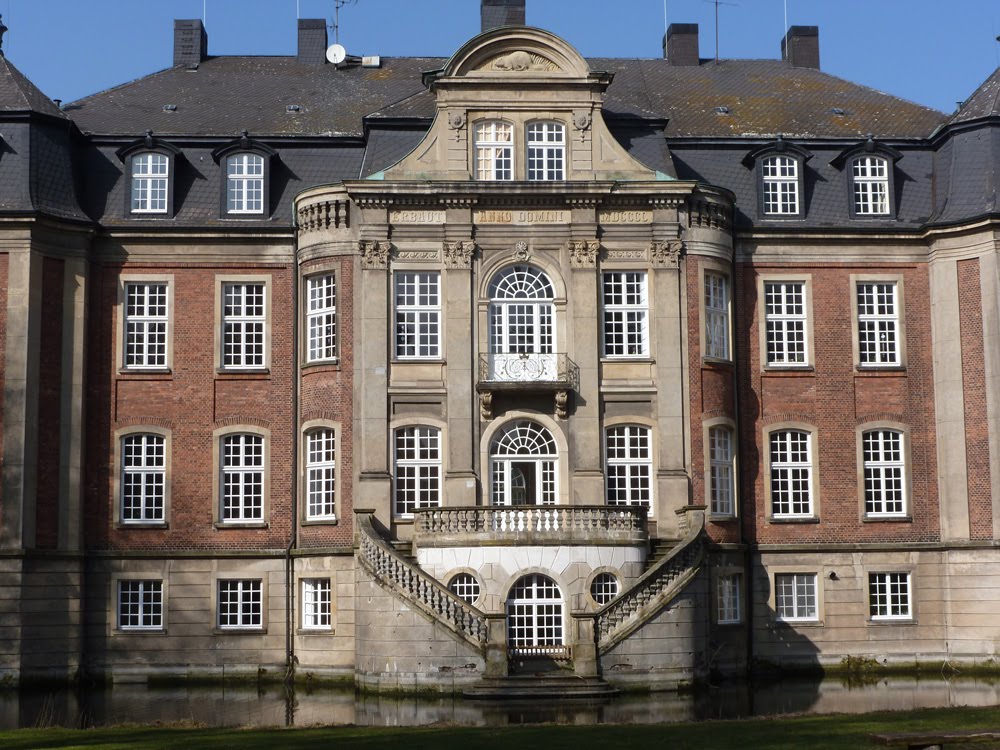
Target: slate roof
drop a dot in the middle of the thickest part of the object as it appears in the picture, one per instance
(984, 102)
(18, 94)
(228, 94)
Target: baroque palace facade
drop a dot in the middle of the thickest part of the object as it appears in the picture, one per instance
(448, 374)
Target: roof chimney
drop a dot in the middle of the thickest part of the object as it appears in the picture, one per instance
(680, 44)
(496, 13)
(190, 42)
(800, 46)
(312, 41)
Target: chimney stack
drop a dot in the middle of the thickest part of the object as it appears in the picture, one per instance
(680, 44)
(190, 42)
(496, 13)
(312, 41)
(800, 47)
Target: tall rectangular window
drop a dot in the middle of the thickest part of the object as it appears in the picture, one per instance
(791, 474)
(146, 317)
(785, 322)
(626, 314)
(242, 478)
(243, 326)
(245, 179)
(143, 478)
(320, 476)
(418, 315)
(629, 471)
(721, 480)
(417, 469)
(780, 178)
(728, 599)
(321, 317)
(140, 605)
(871, 186)
(150, 183)
(316, 604)
(546, 151)
(241, 604)
(889, 596)
(885, 470)
(878, 324)
(716, 316)
(795, 596)
(494, 148)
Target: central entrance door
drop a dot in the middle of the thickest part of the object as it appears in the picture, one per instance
(523, 465)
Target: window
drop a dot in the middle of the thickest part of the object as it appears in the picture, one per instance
(316, 604)
(321, 476)
(418, 315)
(785, 322)
(795, 596)
(884, 468)
(878, 324)
(465, 587)
(418, 469)
(720, 471)
(243, 326)
(871, 186)
(535, 616)
(604, 588)
(780, 179)
(241, 604)
(146, 316)
(626, 313)
(889, 596)
(321, 317)
(242, 478)
(150, 183)
(494, 151)
(791, 474)
(523, 459)
(728, 603)
(716, 316)
(143, 479)
(546, 151)
(629, 466)
(245, 184)
(140, 605)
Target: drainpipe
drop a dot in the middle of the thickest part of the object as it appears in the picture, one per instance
(293, 536)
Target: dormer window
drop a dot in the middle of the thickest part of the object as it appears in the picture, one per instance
(870, 176)
(494, 151)
(245, 184)
(150, 183)
(780, 183)
(546, 151)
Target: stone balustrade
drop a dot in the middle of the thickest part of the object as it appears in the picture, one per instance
(530, 524)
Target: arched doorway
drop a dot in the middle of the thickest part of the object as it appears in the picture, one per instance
(523, 459)
(535, 618)
(522, 325)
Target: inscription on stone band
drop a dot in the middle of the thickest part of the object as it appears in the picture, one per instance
(520, 216)
(414, 216)
(626, 216)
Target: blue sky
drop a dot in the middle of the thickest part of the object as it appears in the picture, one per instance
(927, 51)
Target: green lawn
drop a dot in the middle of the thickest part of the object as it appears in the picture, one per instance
(839, 732)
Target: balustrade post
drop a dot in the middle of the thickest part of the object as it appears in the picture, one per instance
(585, 646)
(496, 645)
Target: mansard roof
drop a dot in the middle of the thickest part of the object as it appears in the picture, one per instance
(18, 94)
(984, 102)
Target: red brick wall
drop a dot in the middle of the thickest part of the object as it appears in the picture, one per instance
(977, 447)
(835, 398)
(49, 404)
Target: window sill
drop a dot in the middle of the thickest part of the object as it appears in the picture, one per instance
(241, 525)
(794, 519)
(637, 359)
(142, 525)
(782, 217)
(892, 621)
(887, 519)
(145, 373)
(729, 625)
(798, 623)
(321, 522)
(716, 363)
(263, 373)
(417, 361)
(315, 631)
(790, 370)
(876, 370)
(239, 631)
(321, 365)
(139, 631)
(722, 518)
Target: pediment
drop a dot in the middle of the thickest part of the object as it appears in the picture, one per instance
(517, 50)
(518, 61)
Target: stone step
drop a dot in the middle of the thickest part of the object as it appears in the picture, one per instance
(405, 550)
(658, 549)
(539, 686)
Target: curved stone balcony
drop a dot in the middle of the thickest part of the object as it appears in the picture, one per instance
(530, 525)
(525, 372)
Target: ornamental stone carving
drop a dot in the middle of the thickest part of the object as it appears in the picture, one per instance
(486, 405)
(666, 254)
(519, 61)
(456, 120)
(583, 253)
(521, 252)
(459, 254)
(375, 254)
(562, 404)
(581, 120)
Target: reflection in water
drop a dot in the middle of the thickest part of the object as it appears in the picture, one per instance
(273, 705)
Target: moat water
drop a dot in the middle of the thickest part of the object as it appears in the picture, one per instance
(273, 705)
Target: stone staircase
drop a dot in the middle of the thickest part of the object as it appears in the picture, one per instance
(540, 686)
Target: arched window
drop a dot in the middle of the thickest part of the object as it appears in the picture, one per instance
(604, 588)
(494, 150)
(321, 475)
(465, 587)
(885, 473)
(629, 473)
(522, 325)
(535, 616)
(523, 465)
(417, 469)
(721, 484)
(791, 473)
(143, 478)
(245, 184)
(546, 151)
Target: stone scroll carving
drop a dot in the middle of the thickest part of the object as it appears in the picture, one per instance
(666, 254)
(583, 253)
(375, 254)
(521, 252)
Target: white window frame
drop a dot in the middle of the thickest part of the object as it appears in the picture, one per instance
(417, 296)
(786, 323)
(244, 339)
(417, 467)
(629, 466)
(604, 587)
(780, 186)
(150, 471)
(516, 445)
(786, 476)
(890, 596)
(242, 478)
(245, 183)
(803, 585)
(535, 610)
(317, 604)
(146, 325)
(494, 150)
(321, 474)
(150, 183)
(146, 604)
(729, 598)
(878, 328)
(321, 317)
(717, 295)
(721, 470)
(546, 151)
(466, 587)
(884, 472)
(247, 596)
(870, 186)
(625, 329)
